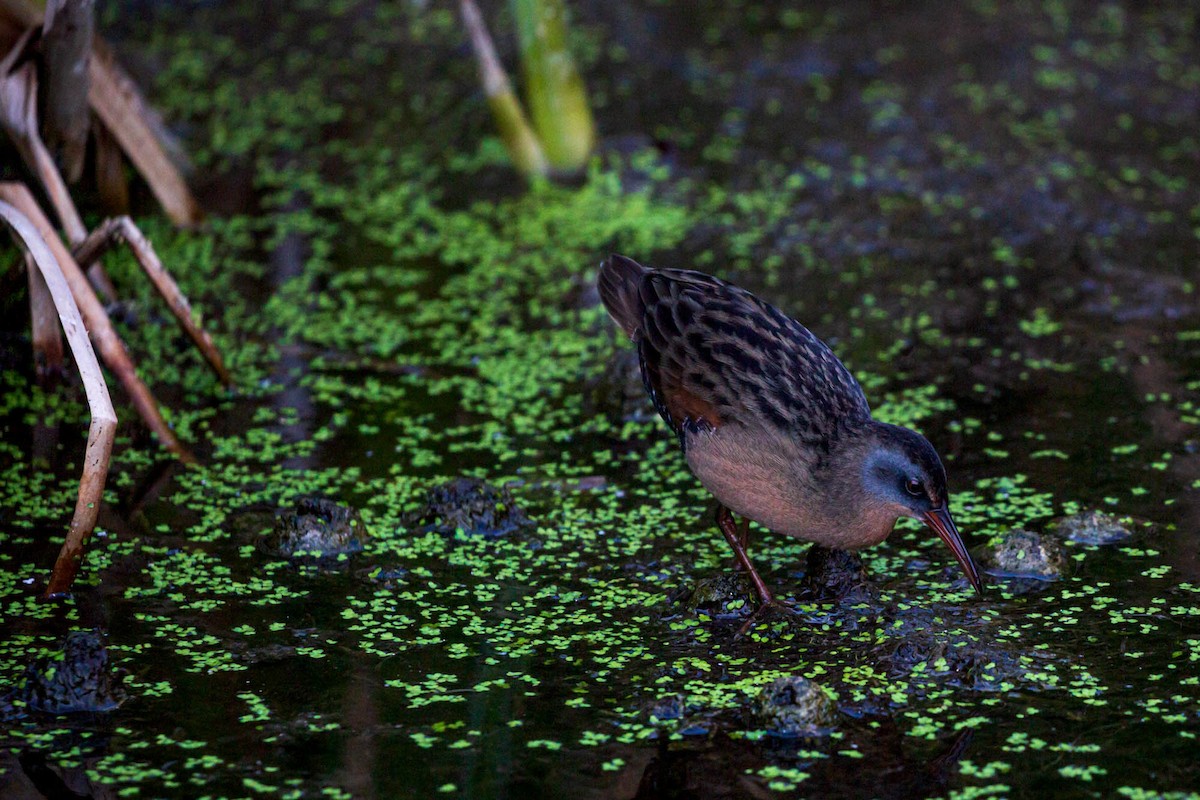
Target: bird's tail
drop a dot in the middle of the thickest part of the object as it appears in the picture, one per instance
(620, 288)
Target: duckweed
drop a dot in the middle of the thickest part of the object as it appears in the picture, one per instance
(400, 312)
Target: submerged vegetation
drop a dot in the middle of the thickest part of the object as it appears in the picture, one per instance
(401, 317)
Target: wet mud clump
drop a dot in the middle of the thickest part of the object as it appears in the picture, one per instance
(723, 596)
(687, 719)
(469, 505)
(670, 707)
(1023, 554)
(1091, 527)
(77, 679)
(317, 527)
(835, 575)
(964, 651)
(793, 707)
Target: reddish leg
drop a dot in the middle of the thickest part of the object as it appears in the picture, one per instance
(738, 542)
(743, 540)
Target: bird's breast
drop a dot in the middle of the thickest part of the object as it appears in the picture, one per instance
(770, 479)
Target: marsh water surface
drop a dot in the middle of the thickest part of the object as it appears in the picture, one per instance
(992, 214)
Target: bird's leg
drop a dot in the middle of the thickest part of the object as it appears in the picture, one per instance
(743, 540)
(737, 540)
(738, 543)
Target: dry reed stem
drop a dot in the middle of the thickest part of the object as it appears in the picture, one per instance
(112, 350)
(122, 229)
(120, 107)
(102, 429)
(18, 116)
(66, 49)
(47, 342)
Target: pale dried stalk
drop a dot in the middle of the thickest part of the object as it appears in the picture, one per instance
(122, 229)
(111, 182)
(112, 350)
(47, 342)
(66, 50)
(120, 107)
(103, 425)
(18, 116)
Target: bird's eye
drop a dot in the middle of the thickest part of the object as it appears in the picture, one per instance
(913, 486)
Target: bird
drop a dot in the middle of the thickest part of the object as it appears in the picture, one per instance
(770, 421)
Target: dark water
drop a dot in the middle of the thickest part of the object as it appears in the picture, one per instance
(990, 212)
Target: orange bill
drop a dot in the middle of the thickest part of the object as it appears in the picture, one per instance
(939, 519)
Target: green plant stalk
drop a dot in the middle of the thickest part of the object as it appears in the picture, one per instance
(517, 135)
(515, 131)
(554, 89)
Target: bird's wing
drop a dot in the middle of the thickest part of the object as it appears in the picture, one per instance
(714, 354)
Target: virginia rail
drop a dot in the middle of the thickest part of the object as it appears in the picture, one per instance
(769, 419)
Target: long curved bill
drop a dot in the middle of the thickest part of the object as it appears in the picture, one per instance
(939, 519)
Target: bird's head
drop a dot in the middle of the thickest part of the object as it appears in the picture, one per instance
(902, 470)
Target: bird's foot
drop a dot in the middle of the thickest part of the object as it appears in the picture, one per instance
(769, 610)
